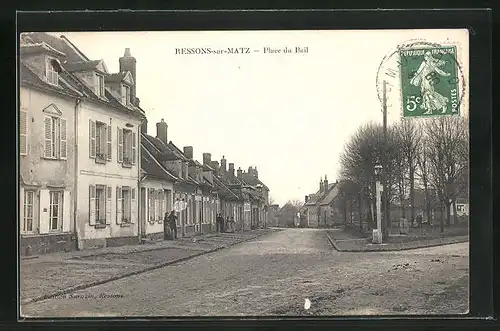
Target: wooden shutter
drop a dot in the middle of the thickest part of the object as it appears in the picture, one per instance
(22, 210)
(63, 136)
(164, 203)
(151, 211)
(120, 144)
(119, 202)
(92, 133)
(23, 132)
(109, 150)
(133, 207)
(134, 145)
(108, 205)
(66, 211)
(92, 205)
(48, 136)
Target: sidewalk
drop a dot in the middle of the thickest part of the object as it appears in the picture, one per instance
(60, 273)
(346, 240)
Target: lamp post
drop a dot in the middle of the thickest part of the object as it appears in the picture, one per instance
(377, 234)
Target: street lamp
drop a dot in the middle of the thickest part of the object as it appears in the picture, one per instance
(377, 233)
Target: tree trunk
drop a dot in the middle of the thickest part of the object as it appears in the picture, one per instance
(412, 194)
(442, 217)
(360, 210)
(455, 218)
(448, 213)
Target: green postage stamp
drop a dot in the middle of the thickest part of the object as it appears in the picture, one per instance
(429, 81)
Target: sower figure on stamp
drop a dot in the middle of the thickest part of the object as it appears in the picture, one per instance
(171, 219)
(425, 78)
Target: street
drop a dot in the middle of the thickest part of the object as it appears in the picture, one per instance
(274, 275)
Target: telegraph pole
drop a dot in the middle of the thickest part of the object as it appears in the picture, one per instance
(385, 223)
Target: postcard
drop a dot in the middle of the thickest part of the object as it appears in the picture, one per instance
(244, 173)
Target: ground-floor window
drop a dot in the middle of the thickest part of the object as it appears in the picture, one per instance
(100, 204)
(29, 210)
(126, 204)
(55, 213)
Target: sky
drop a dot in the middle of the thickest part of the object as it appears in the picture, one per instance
(287, 114)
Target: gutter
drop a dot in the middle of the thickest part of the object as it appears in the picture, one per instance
(138, 164)
(75, 183)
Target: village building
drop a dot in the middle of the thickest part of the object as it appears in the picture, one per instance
(47, 159)
(319, 208)
(104, 139)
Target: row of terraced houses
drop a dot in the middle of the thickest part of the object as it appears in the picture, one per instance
(90, 173)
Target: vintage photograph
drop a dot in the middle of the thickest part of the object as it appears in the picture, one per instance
(243, 173)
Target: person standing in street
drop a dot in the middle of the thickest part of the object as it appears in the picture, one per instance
(172, 224)
(218, 222)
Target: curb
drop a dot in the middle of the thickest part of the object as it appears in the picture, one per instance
(132, 273)
(389, 249)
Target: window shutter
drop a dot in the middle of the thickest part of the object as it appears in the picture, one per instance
(134, 143)
(157, 207)
(23, 132)
(109, 150)
(120, 145)
(22, 209)
(48, 136)
(63, 136)
(108, 205)
(92, 133)
(133, 207)
(92, 205)
(164, 205)
(119, 202)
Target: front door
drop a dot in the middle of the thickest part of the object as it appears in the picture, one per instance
(143, 207)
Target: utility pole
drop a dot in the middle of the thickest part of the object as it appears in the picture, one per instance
(385, 223)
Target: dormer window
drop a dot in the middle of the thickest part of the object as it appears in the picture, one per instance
(51, 74)
(125, 95)
(100, 85)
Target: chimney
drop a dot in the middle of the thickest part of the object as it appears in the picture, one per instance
(188, 151)
(240, 173)
(321, 184)
(207, 159)
(306, 198)
(325, 184)
(128, 63)
(231, 169)
(223, 164)
(256, 173)
(250, 171)
(161, 131)
(215, 165)
(144, 126)
(137, 101)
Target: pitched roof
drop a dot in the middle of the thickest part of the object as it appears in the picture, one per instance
(177, 151)
(164, 153)
(252, 180)
(62, 44)
(152, 167)
(81, 65)
(28, 76)
(333, 191)
(72, 58)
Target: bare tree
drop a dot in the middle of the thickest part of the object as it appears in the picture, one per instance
(408, 138)
(447, 152)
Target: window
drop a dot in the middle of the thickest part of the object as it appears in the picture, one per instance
(100, 141)
(151, 205)
(125, 95)
(55, 213)
(127, 146)
(125, 205)
(23, 132)
(51, 75)
(100, 204)
(29, 208)
(55, 138)
(161, 206)
(460, 208)
(100, 85)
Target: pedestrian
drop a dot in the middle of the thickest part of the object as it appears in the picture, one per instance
(173, 224)
(218, 222)
(231, 225)
(224, 224)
